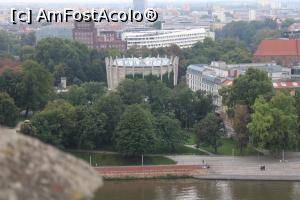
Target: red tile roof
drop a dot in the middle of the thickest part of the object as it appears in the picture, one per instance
(7, 63)
(278, 47)
(286, 84)
(227, 83)
(276, 85)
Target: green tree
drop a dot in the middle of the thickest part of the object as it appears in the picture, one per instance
(132, 91)
(94, 90)
(228, 50)
(36, 86)
(96, 71)
(202, 105)
(27, 52)
(169, 132)
(190, 107)
(8, 110)
(135, 132)
(183, 105)
(274, 124)
(246, 32)
(10, 82)
(210, 130)
(113, 107)
(28, 39)
(159, 96)
(237, 55)
(89, 127)
(56, 124)
(51, 52)
(76, 96)
(247, 88)
(87, 93)
(266, 33)
(240, 122)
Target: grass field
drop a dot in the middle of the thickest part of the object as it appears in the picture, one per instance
(229, 147)
(180, 150)
(191, 138)
(100, 159)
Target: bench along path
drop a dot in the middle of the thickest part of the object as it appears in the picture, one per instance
(245, 168)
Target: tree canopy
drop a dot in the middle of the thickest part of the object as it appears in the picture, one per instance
(8, 110)
(274, 123)
(169, 132)
(246, 88)
(71, 58)
(246, 32)
(36, 86)
(135, 132)
(210, 130)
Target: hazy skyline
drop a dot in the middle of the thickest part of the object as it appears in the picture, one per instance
(111, 1)
(128, 1)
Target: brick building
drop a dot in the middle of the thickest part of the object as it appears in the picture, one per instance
(285, 52)
(87, 33)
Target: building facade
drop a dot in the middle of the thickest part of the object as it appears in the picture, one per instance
(211, 78)
(119, 68)
(199, 77)
(86, 33)
(165, 38)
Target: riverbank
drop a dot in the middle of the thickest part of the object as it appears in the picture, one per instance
(220, 168)
(146, 172)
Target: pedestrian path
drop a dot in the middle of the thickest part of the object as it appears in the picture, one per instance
(194, 146)
(249, 168)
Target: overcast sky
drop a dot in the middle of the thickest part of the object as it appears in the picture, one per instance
(128, 1)
(107, 1)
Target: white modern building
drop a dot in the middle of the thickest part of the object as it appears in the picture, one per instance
(164, 38)
(119, 68)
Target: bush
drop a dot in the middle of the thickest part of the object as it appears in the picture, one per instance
(8, 110)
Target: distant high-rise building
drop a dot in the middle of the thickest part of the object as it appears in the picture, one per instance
(252, 15)
(140, 5)
(86, 33)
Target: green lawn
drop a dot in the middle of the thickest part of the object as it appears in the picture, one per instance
(191, 140)
(228, 147)
(117, 160)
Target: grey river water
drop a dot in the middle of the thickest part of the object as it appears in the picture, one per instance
(192, 189)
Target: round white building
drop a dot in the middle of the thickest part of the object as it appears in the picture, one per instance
(119, 68)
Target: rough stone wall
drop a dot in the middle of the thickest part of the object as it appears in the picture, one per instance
(31, 170)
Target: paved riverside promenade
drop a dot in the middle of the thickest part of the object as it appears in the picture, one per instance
(245, 168)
